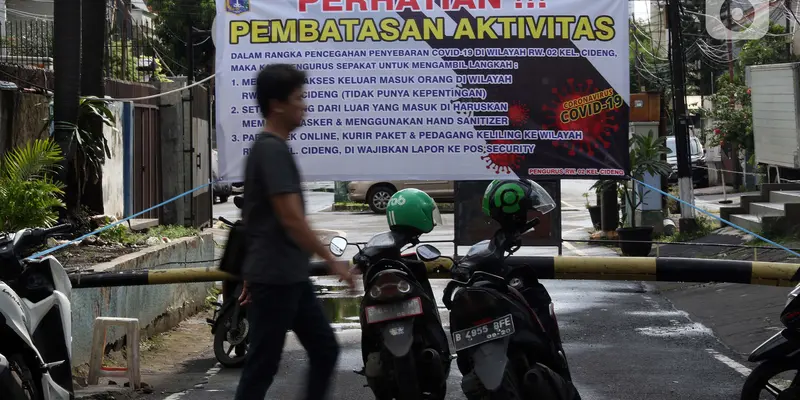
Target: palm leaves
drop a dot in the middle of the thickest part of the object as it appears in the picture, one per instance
(29, 196)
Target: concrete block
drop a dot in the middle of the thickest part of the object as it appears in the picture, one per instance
(158, 307)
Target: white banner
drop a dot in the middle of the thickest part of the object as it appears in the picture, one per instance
(433, 89)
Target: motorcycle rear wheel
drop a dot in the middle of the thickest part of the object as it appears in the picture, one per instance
(221, 336)
(758, 380)
(405, 371)
(508, 390)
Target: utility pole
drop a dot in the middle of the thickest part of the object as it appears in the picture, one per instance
(681, 123)
(67, 66)
(789, 39)
(93, 21)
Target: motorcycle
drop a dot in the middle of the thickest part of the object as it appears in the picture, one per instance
(229, 322)
(503, 325)
(36, 328)
(403, 345)
(777, 355)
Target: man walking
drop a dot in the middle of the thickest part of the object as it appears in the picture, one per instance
(280, 242)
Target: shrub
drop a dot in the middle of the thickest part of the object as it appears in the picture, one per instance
(29, 196)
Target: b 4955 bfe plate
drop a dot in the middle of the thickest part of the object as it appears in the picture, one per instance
(497, 329)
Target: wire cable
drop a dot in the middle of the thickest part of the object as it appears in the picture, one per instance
(200, 82)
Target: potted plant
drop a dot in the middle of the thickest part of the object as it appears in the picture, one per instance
(594, 212)
(646, 157)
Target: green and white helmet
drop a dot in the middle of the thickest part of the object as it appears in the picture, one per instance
(412, 210)
(507, 200)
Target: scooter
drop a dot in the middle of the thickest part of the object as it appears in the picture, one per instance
(229, 323)
(403, 345)
(503, 325)
(36, 320)
(777, 355)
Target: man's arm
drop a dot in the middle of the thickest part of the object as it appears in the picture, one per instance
(289, 209)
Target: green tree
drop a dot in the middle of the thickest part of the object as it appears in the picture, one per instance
(770, 49)
(732, 112)
(173, 18)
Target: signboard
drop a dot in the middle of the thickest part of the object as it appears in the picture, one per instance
(433, 89)
(473, 226)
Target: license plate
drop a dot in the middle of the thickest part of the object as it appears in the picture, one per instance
(480, 334)
(388, 312)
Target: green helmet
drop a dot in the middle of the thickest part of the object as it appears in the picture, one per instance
(412, 210)
(506, 200)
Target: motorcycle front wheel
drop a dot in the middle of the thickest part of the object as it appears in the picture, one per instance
(231, 340)
(764, 381)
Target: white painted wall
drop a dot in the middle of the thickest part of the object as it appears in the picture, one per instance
(113, 182)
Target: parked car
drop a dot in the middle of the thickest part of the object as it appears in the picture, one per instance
(698, 157)
(220, 190)
(377, 193)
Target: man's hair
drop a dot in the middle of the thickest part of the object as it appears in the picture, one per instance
(277, 82)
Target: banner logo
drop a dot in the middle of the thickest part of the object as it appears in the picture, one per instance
(739, 19)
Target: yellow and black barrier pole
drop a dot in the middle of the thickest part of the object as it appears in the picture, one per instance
(663, 269)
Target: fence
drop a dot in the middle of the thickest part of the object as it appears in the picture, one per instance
(27, 43)
(129, 52)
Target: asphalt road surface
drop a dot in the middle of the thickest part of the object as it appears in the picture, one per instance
(622, 343)
(623, 340)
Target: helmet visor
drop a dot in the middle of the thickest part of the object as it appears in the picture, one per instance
(540, 199)
(437, 216)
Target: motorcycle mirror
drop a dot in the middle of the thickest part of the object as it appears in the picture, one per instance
(427, 252)
(238, 201)
(337, 246)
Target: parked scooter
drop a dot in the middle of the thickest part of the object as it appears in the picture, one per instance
(36, 328)
(229, 323)
(403, 345)
(779, 355)
(503, 324)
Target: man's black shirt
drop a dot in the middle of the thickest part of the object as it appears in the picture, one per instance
(273, 257)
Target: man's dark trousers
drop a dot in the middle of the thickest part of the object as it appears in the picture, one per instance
(274, 309)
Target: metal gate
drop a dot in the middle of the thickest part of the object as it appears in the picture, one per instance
(146, 160)
(143, 170)
(200, 168)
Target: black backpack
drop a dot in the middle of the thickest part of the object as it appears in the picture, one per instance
(235, 250)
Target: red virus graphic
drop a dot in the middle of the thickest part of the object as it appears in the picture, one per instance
(596, 126)
(518, 113)
(504, 163)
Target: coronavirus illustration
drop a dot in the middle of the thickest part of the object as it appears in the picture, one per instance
(597, 124)
(502, 163)
(518, 113)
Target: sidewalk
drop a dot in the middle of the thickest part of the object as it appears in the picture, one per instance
(710, 198)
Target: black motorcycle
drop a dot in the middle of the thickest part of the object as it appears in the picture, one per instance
(503, 325)
(229, 323)
(403, 345)
(778, 355)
